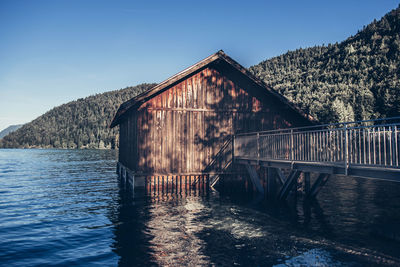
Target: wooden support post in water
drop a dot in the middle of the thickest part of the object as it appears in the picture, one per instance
(254, 178)
(281, 176)
(271, 184)
(288, 185)
(307, 183)
(207, 182)
(318, 184)
(180, 184)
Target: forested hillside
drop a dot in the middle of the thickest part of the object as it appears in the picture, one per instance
(352, 80)
(78, 124)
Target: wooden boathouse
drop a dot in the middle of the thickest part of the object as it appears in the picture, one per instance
(182, 126)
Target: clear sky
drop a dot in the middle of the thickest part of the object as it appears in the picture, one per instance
(55, 51)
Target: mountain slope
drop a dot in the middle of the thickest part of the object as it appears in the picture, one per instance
(78, 124)
(9, 129)
(352, 80)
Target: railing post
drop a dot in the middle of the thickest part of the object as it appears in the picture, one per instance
(396, 147)
(346, 149)
(258, 147)
(291, 145)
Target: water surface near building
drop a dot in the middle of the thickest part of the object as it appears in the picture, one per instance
(65, 207)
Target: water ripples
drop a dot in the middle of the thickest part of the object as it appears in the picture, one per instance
(65, 207)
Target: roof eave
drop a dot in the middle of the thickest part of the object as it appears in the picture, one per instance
(143, 97)
(149, 93)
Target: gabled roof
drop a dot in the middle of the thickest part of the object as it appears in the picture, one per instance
(219, 56)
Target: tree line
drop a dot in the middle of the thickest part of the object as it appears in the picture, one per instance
(83, 123)
(356, 79)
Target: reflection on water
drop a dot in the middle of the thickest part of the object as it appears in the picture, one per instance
(224, 231)
(66, 208)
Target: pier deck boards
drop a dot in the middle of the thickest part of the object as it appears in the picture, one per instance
(376, 172)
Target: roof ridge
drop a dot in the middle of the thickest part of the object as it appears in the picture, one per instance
(220, 54)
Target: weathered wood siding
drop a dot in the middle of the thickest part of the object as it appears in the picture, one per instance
(181, 129)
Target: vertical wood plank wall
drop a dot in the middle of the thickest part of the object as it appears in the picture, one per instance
(181, 129)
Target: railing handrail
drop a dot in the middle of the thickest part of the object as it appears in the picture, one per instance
(289, 132)
(325, 127)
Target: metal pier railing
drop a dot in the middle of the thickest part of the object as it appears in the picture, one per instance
(370, 143)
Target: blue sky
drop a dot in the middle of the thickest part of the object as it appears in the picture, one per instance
(52, 52)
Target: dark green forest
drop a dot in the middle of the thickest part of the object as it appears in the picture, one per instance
(353, 80)
(83, 123)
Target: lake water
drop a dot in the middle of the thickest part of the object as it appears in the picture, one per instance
(65, 208)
